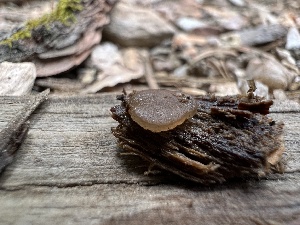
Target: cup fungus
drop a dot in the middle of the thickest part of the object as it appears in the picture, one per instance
(160, 110)
(205, 139)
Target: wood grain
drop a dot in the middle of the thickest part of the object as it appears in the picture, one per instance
(70, 171)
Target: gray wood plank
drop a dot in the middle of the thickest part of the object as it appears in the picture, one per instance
(69, 171)
(266, 202)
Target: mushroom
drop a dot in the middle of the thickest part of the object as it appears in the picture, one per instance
(160, 110)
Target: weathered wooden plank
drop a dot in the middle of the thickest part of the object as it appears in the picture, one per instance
(69, 170)
(69, 141)
(252, 203)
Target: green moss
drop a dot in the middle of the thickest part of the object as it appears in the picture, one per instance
(64, 13)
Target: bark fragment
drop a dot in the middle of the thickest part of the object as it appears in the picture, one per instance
(228, 137)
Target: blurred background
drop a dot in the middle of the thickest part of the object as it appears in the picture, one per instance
(196, 46)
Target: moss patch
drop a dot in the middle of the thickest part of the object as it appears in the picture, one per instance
(64, 13)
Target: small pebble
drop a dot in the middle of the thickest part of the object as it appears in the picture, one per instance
(293, 39)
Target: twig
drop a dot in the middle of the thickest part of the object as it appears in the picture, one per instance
(213, 52)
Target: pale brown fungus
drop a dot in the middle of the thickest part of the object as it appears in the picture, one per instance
(160, 110)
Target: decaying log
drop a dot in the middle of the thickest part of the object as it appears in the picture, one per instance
(69, 170)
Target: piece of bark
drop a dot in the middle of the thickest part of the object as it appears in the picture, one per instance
(57, 47)
(229, 137)
(60, 84)
(15, 131)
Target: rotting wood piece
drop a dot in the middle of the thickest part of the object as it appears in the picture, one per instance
(221, 141)
(14, 133)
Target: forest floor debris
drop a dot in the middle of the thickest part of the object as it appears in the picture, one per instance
(191, 45)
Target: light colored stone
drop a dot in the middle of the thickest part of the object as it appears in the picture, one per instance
(270, 73)
(16, 78)
(104, 56)
(261, 89)
(181, 71)
(239, 3)
(223, 89)
(190, 24)
(280, 95)
(136, 26)
(293, 39)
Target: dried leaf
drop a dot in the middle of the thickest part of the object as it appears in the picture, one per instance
(121, 67)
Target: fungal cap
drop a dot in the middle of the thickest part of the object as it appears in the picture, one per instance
(160, 110)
